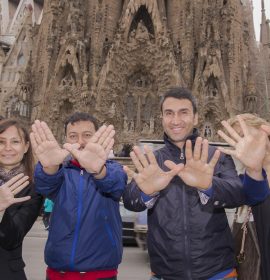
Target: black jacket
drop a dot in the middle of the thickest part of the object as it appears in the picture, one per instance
(261, 213)
(188, 240)
(16, 222)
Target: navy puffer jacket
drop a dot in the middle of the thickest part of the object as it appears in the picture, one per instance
(186, 239)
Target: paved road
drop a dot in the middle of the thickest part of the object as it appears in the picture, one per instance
(135, 265)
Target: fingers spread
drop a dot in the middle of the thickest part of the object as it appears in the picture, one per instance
(226, 138)
(21, 199)
(197, 149)
(20, 187)
(204, 155)
(15, 181)
(242, 125)
(188, 150)
(214, 159)
(227, 151)
(142, 158)
(150, 155)
(231, 131)
(136, 162)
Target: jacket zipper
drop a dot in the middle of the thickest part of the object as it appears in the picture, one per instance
(78, 222)
(182, 157)
(186, 242)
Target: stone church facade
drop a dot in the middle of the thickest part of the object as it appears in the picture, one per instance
(115, 59)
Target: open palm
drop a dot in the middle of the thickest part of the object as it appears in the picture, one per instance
(244, 146)
(150, 178)
(12, 187)
(94, 155)
(45, 146)
(197, 172)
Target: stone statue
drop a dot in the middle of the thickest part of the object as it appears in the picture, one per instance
(145, 129)
(142, 34)
(125, 127)
(131, 126)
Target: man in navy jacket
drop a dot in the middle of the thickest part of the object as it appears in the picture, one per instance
(85, 236)
(185, 186)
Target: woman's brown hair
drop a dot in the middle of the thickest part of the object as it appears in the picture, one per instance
(28, 160)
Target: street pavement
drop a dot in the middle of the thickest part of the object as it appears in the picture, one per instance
(135, 264)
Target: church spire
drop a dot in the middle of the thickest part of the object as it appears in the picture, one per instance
(262, 5)
(264, 26)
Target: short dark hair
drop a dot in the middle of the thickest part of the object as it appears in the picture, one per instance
(28, 159)
(179, 93)
(80, 116)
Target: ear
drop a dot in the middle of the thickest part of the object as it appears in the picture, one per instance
(196, 119)
(26, 147)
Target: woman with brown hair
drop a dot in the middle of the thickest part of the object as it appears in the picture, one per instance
(249, 137)
(19, 204)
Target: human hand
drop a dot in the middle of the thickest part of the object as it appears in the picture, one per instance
(250, 149)
(12, 187)
(197, 172)
(149, 177)
(46, 148)
(96, 151)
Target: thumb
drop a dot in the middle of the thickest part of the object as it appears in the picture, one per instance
(72, 148)
(174, 168)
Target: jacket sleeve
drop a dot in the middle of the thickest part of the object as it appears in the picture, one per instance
(133, 198)
(256, 191)
(48, 185)
(18, 220)
(227, 188)
(115, 180)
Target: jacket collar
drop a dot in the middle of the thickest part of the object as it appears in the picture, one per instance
(173, 147)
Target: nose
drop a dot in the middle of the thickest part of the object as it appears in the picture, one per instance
(176, 119)
(7, 146)
(81, 142)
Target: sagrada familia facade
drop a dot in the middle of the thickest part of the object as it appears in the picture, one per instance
(115, 58)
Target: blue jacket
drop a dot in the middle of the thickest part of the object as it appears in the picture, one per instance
(86, 229)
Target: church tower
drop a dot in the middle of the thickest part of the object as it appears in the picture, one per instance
(115, 58)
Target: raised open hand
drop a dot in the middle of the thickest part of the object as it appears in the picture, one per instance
(45, 146)
(95, 153)
(150, 178)
(197, 172)
(10, 189)
(250, 149)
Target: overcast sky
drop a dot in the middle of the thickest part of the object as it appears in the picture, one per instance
(258, 15)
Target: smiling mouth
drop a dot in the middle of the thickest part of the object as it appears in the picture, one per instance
(8, 156)
(178, 129)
